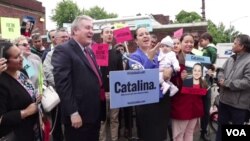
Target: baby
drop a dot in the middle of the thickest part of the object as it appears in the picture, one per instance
(167, 58)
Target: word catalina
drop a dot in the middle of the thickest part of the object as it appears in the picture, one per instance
(197, 58)
(133, 87)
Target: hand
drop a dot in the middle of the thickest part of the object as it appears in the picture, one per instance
(3, 65)
(30, 110)
(167, 73)
(184, 74)
(152, 52)
(39, 98)
(76, 121)
(221, 82)
(107, 95)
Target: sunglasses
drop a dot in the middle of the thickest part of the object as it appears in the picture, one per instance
(23, 44)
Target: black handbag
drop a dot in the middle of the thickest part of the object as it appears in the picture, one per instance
(8, 137)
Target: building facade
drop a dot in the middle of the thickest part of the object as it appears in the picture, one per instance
(22, 9)
(161, 27)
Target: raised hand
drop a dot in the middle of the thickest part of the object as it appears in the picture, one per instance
(153, 51)
(3, 65)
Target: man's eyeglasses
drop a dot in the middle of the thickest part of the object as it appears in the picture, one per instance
(64, 37)
(23, 44)
(38, 41)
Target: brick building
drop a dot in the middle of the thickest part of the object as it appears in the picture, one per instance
(24, 8)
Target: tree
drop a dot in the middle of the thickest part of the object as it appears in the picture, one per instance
(187, 17)
(65, 12)
(99, 13)
(219, 32)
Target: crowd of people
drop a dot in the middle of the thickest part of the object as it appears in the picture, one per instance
(69, 65)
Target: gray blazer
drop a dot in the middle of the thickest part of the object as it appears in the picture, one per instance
(48, 69)
(236, 92)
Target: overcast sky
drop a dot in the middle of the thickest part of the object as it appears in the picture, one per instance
(236, 12)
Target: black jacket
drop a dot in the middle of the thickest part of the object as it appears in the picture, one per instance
(13, 98)
(76, 83)
(115, 63)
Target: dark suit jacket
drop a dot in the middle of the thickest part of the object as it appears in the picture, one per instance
(76, 83)
(13, 98)
(115, 63)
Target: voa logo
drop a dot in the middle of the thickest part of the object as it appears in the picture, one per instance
(236, 132)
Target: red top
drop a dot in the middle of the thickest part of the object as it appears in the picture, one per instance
(27, 34)
(186, 106)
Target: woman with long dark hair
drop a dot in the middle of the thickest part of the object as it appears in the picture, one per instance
(186, 108)
(152, 119)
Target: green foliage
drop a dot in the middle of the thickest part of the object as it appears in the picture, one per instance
(219, 32)
(99, 13)
(65, 12)
(187, 17)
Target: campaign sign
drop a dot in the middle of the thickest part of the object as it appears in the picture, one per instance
(178, 33)
(10, 27)
(134, 87)
(122, 34)
(144, 23)
(119, 25)
(193, 59)
(101, 54)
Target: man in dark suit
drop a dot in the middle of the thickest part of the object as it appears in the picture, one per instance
(78, 83)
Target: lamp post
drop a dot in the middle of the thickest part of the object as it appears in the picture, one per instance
(230, 25)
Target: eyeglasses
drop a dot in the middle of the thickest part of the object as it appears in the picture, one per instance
(38, 41)
(63, 37)
(23, 44)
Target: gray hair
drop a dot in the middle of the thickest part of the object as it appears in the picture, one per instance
(78, 19)
(60, 30)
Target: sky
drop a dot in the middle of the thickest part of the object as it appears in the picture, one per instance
(228, 12)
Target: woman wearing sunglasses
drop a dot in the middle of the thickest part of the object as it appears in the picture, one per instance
(31, 62)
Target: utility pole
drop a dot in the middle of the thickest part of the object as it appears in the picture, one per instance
(203, 13)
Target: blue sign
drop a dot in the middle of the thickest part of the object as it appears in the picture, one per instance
(134, 87)
(198, 59)
(27, 66)
(144, 23)
(228, 52)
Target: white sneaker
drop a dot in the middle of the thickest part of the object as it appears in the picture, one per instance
(165, 86)
(173, 90)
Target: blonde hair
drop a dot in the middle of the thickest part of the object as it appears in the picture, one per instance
(18, 39)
